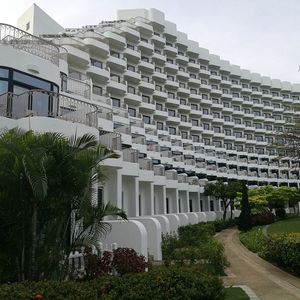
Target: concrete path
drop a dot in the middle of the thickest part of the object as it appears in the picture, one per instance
(246, 268)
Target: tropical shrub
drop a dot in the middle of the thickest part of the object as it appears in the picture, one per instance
(119, 262)
(262, 219)
(223, 224)
(280, 213)
(159, 284)
(254, 240)
(284, 249)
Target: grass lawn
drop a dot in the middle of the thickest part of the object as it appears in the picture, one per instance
(291, 224)
(235, 293)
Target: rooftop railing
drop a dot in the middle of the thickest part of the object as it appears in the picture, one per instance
(48, 104)
(19, 39)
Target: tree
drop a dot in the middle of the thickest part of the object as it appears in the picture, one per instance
(45, 198)
(245, 221)
(224, 192)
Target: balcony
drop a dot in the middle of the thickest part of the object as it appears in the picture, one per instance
(146, 66)
(111, 140)
(193, 66)
(146, 47)
(134, 99)
(170, 49)
(132, 76)
(182, 58)
(78, 87)
(118, 87)
(172, 84)
(158, 57)
(19, 39)
(117, 63)
(48, 104)
(97, 47)
(98, 74)
(115, 39)
(158, 40)
(159, 76)
(132, 54)
(160, 95)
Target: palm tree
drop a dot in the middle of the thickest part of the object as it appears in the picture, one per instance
(45, 179)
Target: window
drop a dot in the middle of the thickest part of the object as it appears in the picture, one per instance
(227, 118)
(183, 118)
(169, 60)
(196, 138)
(239, 148)
(96, 63)
(114, 54)
(234, 81)
(277, 117)
(276, 105)
(131, 89)
(181, 69)
(204, 96)
(214, 86)
(238, 134)
(236, 107)
(194, 91)
(203, 81)
(145, 58)
(224, 77)
(217, 129)
(158, 88)
(97, 90)
(159, 106)
(268, 127)
(259, 138)
(171, 95)
(258, 125)
(256, 101)
(245, 86)
(267, 115)
(159, 125)
(225, 91)
(157, 51)
(218, 144)
(256, 113)
(146, 119)
(248, 136)
(246, 98)
(129, 46)
(226, 104)
(248, 123)
(206, 126)
(146, 98)
(195, 122)
(182, 101)
(266, 103)
(181, 84)
(184, 134)
(131, 68)
(247, 111)
(206, 141)
(171, 113)
(254, 88)
(145, 79)
(27, 26)
(170, 77)
(172, 130)
(158, 69)
(236, 95)
(237, 121)
(213, 72)
(205, 111)
(215, 100)
(228, 146)
(116, 102)
(269, 139)
(193, 76)
(115, 77)
(132, 112)
(227, 132)
(194, 106)
(216, 115)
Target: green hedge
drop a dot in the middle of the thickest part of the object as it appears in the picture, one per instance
(160, 284)
(284, 249)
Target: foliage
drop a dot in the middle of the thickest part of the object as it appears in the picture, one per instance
(45, 198)
(223, 224)
(284, 249)
(225, 192)
(245, 222)
(280, 213)
(195, 245)
(121, 261)
(262, 219)
(160, 283)
(254, 240)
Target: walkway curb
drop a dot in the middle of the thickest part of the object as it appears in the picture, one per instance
(248, 291)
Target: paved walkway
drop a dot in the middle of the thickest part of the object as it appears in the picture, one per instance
(246, 268)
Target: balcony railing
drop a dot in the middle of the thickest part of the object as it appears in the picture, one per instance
(131, 155)
(78, 87)
(19, 39)
(48, 104)
(111, 140)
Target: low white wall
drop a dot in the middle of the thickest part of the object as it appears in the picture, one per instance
(201, 216)
(153, 228)
(184, 219)
(193, 217)
(131, 234)
(174, 222)
(210, 215)
(164, 223)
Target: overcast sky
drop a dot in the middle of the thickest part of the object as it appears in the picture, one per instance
(259, 35)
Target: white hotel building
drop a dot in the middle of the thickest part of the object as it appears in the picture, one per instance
(177, 115)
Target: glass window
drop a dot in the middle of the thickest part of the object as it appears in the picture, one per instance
(31, 81)
(132, 112)
(115, 54)
(116, 102)
(131, 68)
(97, 90)
(159, 125)
(146, 119)
(96, 63)
(4, 73)
(172, 130)
(3, 87)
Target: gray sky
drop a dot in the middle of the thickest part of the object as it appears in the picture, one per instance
(259, 35)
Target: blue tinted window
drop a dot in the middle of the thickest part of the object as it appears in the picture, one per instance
(32, 81)
(3, 73)
(3, 87)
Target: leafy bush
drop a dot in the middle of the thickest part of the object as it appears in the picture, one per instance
(159, 284)
(168, 283)
(284, 249)
(121, 261)
(263, 219)
(254, 240)
(223, 224)
(280, 213)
